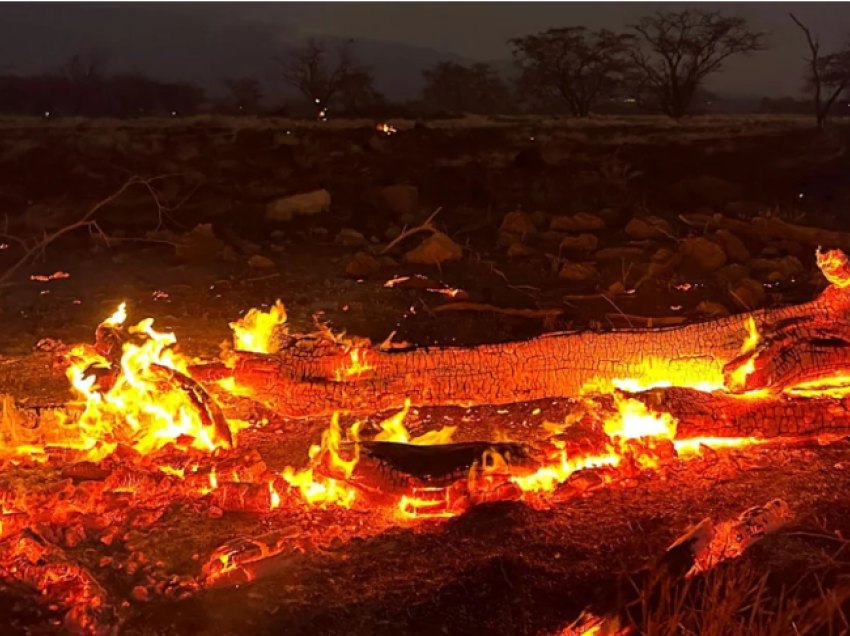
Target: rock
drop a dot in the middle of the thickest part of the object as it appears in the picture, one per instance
(702, 255)
(249, 249)
(581, 222)
(650, 227)
(777, 269)
(259, 261)
(228, 255)
(362, 265)
(791, 266)
(732, 274)
(388, 261)
(278, 235)
(711, 309)
(305, 204)
(550, 236)
(578, 271)
(734, 247)
(662, 255)
(617, 288)
(705, 190)
(140, 593)
(519, 223)
(277, 249)
(748, 294)
(398, 200)
(198, 244)
(392, 232)
(540, 219)
(789, 248)
(518, 250)
(506, 239)
(619, 253)
(434, 250)
(771, 251)
(580, 243)
(350, 238)
(611, 217)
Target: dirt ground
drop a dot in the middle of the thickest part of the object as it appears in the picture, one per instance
(503, 568)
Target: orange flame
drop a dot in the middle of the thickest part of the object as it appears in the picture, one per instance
(258, 331)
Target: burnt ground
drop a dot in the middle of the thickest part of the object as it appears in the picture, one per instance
(504, 568)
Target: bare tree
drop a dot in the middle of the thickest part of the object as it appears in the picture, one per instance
(465, 89)
(827, 76)
(572, 65)
(246, 93)
(674, 52)
(86, 66)
(311, 71)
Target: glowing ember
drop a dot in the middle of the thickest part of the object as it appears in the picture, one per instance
(387, 129)
(50, 277)
(835, 267)
(357, 365)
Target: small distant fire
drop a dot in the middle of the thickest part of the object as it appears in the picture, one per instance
(386, 129)
(50, 277)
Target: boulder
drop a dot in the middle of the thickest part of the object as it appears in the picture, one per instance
(710, 309)
(731, 274)
(519, 250)
(258, 261)
(650, 227)
(437, 248)
(305, 204)
(398, 200)
(702, 255)
(578, 271)
(362, 265)
(350, 238)
(580, 243)
(734, 247)
(581, 222)
(748, 294)
(198, 244)
(619, 253)
(520, 223)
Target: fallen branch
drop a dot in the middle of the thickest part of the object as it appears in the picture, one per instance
(427, 226)
(521, 313)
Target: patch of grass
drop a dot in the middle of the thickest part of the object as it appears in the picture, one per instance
(734, 600)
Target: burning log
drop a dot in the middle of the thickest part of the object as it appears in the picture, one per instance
(759, 415)
(316, 375)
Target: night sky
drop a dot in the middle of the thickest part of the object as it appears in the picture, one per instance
(184, 41)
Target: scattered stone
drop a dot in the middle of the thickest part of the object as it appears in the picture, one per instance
(581, 222)
(140, 593)
(734, 247)
(618, 253)
(578, 271)
(650, 227)
(228, 255)
(318, 231)
(258, 261)
(580, 243)
(790, 248)
(198, 244)
(277, 249)
(519, 223)
(616, 288)
(749, 294)
(550, 236)
(506, 239)
(388, 261)
(662, 255)
(362, 265)
(434, 250)
(771, 251)
(278, 235)
(540, 218)
(305, 204)
(398, 200)
(392, 232)
(702, 255)
(350, 238)
(732, 274)
(249, 249)
(791, 266)
(711, 309)
(518, 250)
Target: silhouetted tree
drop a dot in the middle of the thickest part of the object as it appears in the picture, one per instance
(464, 89)
(358, 95)
(674, 52)
(311, 71)
(571, 65)
(827, 76)
(246, 94)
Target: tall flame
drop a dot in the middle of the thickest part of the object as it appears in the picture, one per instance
(258, 331)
